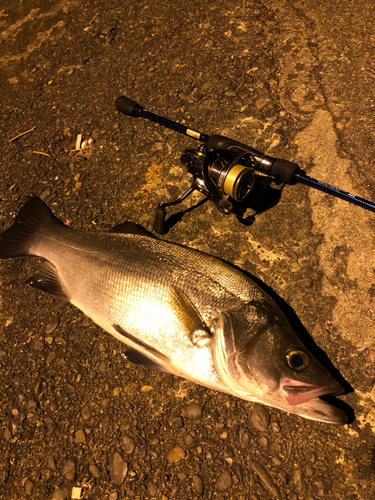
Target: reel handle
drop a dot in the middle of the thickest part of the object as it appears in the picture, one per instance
(159, 221)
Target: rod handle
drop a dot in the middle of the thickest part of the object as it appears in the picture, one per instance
(128, 106)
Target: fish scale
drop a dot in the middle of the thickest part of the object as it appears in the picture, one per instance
(177, 310)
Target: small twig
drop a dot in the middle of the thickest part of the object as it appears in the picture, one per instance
(78, 142)
(23, 133)
(41, 153)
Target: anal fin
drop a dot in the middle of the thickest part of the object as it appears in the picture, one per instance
(47, 280)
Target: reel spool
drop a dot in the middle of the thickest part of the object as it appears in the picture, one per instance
(230, 178)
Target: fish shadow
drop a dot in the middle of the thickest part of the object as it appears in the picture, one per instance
(311, 345)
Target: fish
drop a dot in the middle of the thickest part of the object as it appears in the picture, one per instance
(177, 310)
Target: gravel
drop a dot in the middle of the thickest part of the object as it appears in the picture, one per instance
(282, 77)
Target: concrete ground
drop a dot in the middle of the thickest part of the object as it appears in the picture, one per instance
(292, 78)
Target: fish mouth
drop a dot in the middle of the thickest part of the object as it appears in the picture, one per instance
(296, 392)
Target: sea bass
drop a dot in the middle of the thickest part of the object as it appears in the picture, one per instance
(177, 310)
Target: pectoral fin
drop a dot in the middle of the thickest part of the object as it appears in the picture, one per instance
(189, 315)
(137, 358)
(156, 361)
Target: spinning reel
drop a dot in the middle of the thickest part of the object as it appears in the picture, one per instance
(228, 172)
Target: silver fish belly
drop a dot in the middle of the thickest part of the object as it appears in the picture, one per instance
(177, 310)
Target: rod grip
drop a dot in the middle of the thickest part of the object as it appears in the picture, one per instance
(128, 106)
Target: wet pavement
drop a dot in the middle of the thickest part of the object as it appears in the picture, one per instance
(293, 79)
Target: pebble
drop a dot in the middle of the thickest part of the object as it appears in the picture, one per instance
(260, 418)
(310, 471)
(320, 487)
(260, 103)
(263, 442)
(224, 481)
(148, 430)
(51, 327)
(29, 486)
(198, 484)
(7, 434)
(102, 366)
(189, 440)
(151, 488)
(177, 422)
(80, 436)
(265, 478)
(299, 481)
(113, 495)
(118, 468)
(63, 493)
(130, 389)
(275, 427)
(39, 345)
(86, 412)
(31, 404)
(95, 471)
(193, 411)
(174, 492)
(105, 424)
(4, 471)
(147, 388)
(52, 406)
(244, 436)
(128, 445)
(69, 470)
(75, 367)
(38, 388)
(176, 454)
(51, 357)
(45, 194)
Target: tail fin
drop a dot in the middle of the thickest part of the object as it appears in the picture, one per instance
(32, 218)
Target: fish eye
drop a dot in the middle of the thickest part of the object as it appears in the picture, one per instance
(297, 359)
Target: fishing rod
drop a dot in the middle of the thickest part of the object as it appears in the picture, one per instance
(226, 171)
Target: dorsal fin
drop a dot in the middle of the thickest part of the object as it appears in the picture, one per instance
(128, 227)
